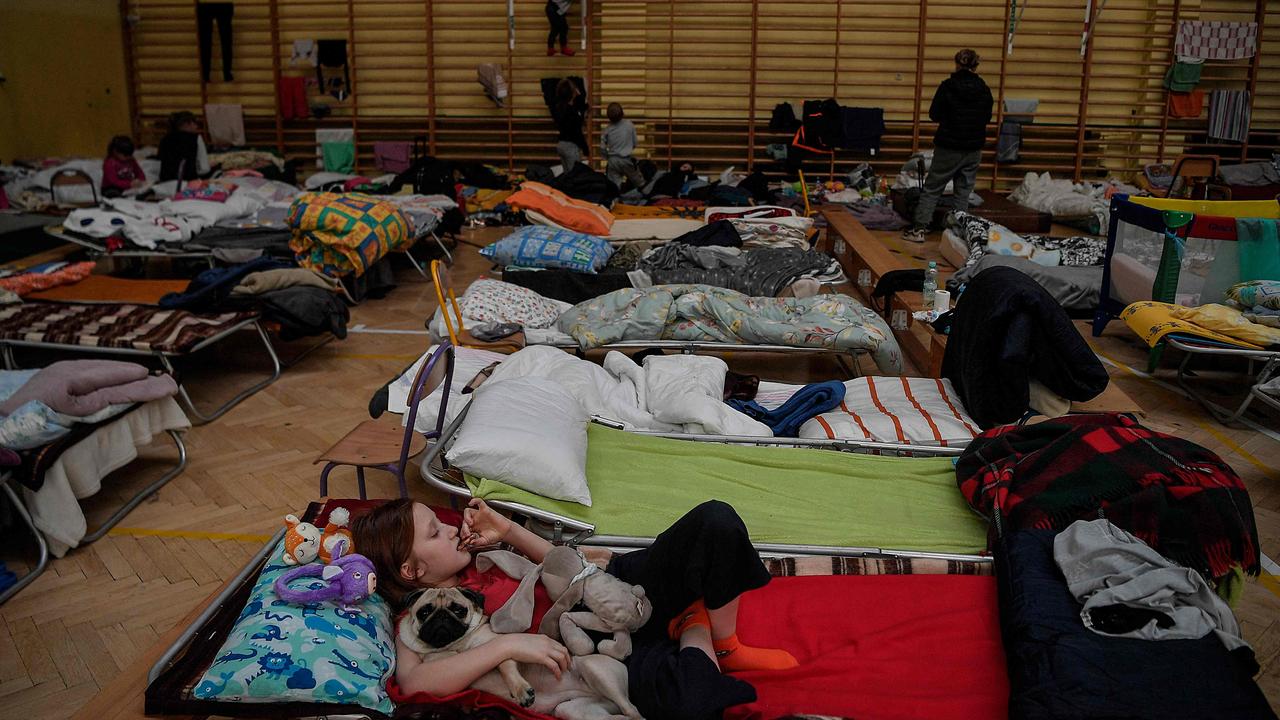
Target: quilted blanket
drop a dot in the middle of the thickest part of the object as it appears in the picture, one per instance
(105, 325)
(709, 314)
(343, 233)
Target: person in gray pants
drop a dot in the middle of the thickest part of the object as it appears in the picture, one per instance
(962, 108)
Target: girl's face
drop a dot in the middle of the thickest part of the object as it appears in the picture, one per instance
(435, 559)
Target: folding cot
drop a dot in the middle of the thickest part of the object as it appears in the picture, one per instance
(942, 610)
(130, 330)
(1269, 360)
(455, 330)
(797, 500)
(52, 476)
(201, 247)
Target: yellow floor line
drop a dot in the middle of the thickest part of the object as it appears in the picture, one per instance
(1233, 445)
(1248, 456)
(1270, 582)
(189, 534)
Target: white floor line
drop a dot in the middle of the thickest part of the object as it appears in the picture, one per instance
(1175, 389)
(1270, 567)
(362, 328)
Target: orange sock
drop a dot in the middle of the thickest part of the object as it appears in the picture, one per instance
(695, 614)
(736, 657)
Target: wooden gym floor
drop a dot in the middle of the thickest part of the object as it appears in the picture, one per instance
(101, 609)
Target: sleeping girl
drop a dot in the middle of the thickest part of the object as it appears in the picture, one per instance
(693, 573)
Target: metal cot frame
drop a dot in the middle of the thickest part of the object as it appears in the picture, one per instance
(165, 360)
(1270, 360)
(42, 557)
(99, 250)
(249, 570)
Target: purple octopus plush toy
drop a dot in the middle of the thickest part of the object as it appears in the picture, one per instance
(350, 580)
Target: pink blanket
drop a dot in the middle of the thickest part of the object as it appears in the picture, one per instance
(83, 387)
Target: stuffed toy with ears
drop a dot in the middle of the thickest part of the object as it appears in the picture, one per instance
(301, 541)
(304, 542)
(349, 579)
(613, 606)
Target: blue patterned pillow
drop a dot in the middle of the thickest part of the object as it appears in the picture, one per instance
(539, 246)
(313, 653)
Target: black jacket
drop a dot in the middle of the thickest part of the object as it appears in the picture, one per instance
(962, 109)
(1007, 331)
(568, 120)
(178, 150)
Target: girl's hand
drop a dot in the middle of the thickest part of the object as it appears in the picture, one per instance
(537, 650)
(482, 525)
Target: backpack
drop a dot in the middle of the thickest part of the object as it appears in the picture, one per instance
(784, 118)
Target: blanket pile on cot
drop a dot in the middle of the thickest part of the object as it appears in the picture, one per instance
(708, 314)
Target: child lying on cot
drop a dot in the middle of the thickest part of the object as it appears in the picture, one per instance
(693, 573)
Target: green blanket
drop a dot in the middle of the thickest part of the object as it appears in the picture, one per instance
(640, 485)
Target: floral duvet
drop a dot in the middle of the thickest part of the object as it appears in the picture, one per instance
(710, 314)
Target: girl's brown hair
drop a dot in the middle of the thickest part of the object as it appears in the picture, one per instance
(967, 59)
(385, 536)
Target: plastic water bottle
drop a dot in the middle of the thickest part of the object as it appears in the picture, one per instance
(930, 284)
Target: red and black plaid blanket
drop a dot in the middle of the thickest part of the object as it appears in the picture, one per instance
(1178, 497)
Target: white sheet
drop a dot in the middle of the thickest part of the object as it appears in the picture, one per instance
(674, 393)
(466, 363)
(632, 229)
(169, 221)
(78, 473)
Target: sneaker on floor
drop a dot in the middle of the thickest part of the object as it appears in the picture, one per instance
(915, 234)
(567, 51)
(551, 51)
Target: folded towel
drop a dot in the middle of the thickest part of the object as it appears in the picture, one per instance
(80, 388)
(785, 421)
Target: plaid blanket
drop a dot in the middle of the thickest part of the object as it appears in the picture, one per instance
(1178, 497)
(107, 325)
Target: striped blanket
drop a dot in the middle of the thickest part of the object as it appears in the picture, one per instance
(103, 325)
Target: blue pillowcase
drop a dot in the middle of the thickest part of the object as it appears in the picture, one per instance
(538, 246)
(314, 653)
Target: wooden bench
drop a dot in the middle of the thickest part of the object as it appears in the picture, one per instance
(858, 251)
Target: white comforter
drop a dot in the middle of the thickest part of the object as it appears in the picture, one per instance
(169, 221)
(669, 393)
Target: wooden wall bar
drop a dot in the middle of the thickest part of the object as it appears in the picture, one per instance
(701, 78)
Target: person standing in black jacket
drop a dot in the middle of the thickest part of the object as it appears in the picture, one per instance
(569, 113)
(962, 108)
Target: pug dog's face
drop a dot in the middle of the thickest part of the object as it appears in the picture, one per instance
(439, 617)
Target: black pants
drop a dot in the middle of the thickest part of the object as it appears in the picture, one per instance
(559, 26)
(705, 555)
(206, 14)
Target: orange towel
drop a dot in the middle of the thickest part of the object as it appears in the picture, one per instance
(107, 289)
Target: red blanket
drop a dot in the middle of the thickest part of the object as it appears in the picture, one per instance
(878, 648)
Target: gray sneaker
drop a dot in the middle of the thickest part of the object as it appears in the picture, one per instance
(915, 234)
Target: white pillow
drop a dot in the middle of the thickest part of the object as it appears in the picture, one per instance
(529, 433)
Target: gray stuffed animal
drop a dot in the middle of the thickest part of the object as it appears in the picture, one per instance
(613, 606)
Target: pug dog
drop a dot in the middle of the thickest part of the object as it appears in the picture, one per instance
(446, 621)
